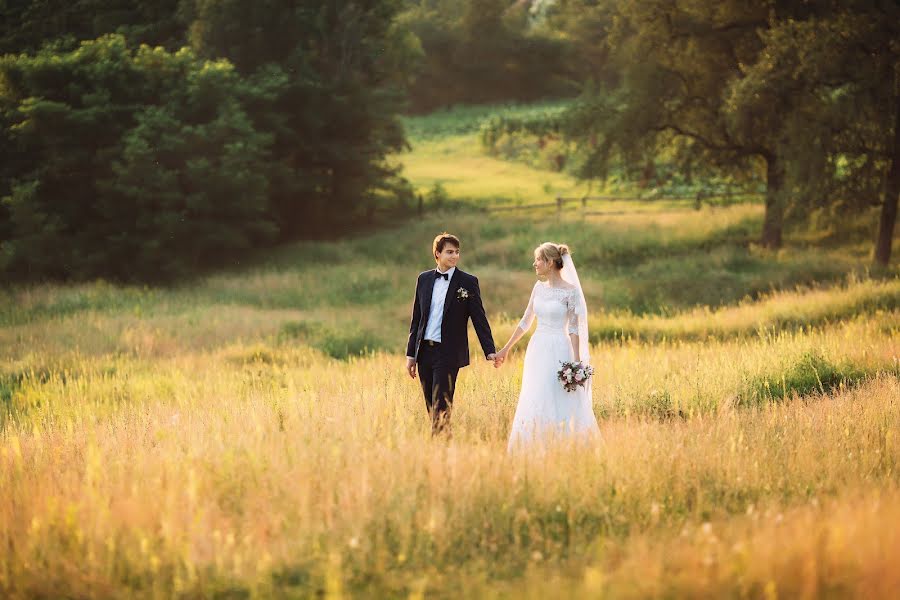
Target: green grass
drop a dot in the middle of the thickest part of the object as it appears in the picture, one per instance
(671, 274)
(480, 180)
(446, 150)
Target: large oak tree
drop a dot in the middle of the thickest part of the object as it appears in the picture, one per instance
(802, 92)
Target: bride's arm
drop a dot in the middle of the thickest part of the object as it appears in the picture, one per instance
(523, 326)
(576, 346)
(573, 328)
(513, 340)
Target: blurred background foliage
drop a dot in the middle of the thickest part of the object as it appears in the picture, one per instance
(146, 143)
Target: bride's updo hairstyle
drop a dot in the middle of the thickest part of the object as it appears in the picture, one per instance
(553, 253)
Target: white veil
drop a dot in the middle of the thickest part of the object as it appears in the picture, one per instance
(570, 275)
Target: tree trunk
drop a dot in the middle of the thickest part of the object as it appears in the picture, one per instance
(774, 217)
(891, 194)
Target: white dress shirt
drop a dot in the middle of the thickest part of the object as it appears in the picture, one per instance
(436, 316)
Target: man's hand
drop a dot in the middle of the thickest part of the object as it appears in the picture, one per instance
(499, 358)
(411, 367)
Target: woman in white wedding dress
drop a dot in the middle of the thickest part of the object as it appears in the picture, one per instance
(545, 408)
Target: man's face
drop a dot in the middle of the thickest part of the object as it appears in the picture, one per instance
(448, 257)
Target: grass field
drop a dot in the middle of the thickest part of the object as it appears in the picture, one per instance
(252, 433)
(446, 150)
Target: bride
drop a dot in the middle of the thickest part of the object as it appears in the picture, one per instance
(545, 407)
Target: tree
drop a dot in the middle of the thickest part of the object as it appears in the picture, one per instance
(685, 85)
(842, 140)
(335, 71)
(478, 51)
(888, 220)
(130, 164)
(25, 26)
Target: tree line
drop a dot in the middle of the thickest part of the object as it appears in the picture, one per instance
(146, 141)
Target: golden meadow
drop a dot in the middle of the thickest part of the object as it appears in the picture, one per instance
(253, 433)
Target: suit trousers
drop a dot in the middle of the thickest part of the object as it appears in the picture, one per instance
(438, 384)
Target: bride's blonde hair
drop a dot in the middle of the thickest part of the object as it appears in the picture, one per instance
(552, 252)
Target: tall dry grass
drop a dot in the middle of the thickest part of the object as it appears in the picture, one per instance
(202, 441)
(276, 471)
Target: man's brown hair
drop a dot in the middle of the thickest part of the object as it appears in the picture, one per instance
(442, 240)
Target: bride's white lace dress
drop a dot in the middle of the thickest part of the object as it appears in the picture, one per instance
(545, 407)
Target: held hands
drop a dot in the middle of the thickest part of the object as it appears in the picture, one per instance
(498, 358)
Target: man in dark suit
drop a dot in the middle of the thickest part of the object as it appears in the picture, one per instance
(446, 298)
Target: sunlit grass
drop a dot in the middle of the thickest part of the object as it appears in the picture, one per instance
(238, 471)
(663, 263)
(446, 150)
(456, 164)
(252, 433)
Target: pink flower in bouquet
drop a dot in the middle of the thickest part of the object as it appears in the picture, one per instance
(574, 374)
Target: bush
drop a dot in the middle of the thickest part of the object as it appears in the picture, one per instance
(810, 374)
(124, 170)
(341, 344)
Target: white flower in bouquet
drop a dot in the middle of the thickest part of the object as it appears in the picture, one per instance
(574, 374)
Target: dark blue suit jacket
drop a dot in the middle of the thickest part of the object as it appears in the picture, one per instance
(457, 312)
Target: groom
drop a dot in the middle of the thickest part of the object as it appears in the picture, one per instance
(446, 298)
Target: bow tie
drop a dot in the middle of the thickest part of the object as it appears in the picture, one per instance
(444, 275)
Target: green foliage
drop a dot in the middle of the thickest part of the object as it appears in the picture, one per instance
(196, 188)
(535, 124)
(342, 342)
(25, 26)
(479, 51)
(808, 374)
(8, 386)
(147, 164)
(474, 119)
(437, 196)
(842, 147)
(673, 67)
(798, 96)
(333, 74)
(11, 382)
(124, 171)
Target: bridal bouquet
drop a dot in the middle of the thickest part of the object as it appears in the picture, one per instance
(574, 374)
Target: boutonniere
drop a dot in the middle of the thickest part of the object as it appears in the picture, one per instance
(462, 293)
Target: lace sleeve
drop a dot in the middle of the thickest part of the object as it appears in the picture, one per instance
(528, 317)
(572, 302)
